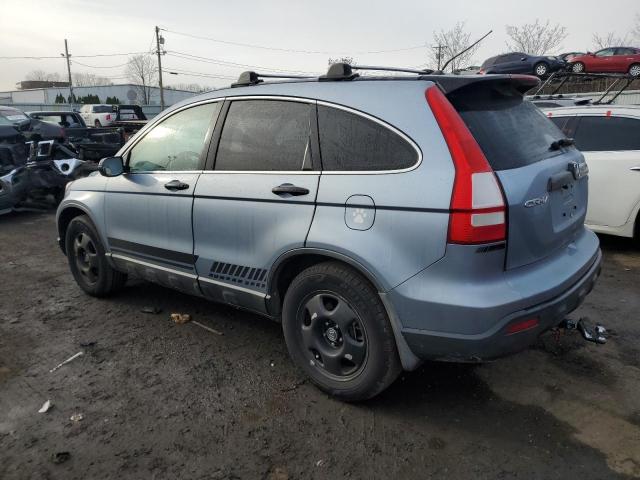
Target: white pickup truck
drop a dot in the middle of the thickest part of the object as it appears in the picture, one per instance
(98, 115)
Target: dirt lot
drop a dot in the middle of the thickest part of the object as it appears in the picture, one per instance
(161, 400)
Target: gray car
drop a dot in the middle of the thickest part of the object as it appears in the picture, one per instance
(383, 221)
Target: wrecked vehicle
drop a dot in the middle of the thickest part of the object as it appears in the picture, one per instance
(38, 158)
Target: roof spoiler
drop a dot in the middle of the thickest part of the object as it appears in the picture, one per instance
(451, 83)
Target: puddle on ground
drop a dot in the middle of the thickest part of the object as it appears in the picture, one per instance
(590, 408)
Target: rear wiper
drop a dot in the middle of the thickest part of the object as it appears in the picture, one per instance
(563, 142)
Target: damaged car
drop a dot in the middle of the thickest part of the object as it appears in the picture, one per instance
(38, 157)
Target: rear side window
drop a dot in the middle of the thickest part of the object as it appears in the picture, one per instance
(597, 134)
(265, 135)
(352, 142)
(511, 131)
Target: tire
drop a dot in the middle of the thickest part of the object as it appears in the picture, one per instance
(97, 123)
(337, 331)
(541, 69)
(578, 67)
(634, 70)
(87, 260)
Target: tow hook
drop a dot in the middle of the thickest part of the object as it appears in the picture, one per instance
(595, 334)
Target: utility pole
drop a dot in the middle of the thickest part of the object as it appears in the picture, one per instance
(439, 54)
(67, 56)
(159, 41)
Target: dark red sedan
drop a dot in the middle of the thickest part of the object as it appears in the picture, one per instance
(609, 60)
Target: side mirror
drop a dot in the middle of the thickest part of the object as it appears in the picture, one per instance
(523, 59)
(111, 166)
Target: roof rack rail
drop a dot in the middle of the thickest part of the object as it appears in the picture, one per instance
(254, 78)
(345, 71)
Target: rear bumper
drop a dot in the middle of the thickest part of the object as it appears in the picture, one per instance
(473, 325)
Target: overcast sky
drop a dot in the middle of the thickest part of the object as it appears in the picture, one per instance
(343, 28)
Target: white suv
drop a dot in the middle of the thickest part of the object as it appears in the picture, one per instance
(609, 138)
(98, 115)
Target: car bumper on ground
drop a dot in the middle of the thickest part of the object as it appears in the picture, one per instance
(485, 318)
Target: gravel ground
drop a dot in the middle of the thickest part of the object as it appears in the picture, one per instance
(161, 400)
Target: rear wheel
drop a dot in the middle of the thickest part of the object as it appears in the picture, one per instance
(634, 70)
(87, 260)
(97, 123)
(541, 69)
(578, 67)
(337, 331)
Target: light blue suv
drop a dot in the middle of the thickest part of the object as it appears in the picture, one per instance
(383, 220)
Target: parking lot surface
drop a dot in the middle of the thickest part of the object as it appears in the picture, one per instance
(163, 400)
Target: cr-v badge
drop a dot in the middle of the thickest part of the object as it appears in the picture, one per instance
(534, 202)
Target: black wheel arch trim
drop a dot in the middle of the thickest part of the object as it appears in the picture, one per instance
(408, 359)
(86, 212)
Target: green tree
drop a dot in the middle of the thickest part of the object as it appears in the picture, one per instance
(112, 100)
(60, 98)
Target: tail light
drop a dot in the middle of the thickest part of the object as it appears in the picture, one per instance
(108, 116)
(478, 211)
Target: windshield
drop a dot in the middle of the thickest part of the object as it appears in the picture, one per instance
(12, 118)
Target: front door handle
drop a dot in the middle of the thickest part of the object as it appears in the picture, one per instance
(289, 189)
(635, 169)
(175, 185)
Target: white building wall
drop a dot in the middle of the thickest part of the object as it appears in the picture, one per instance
(126, 94)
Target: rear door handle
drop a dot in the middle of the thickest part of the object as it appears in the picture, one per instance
(175, 185)
(635, 169)
(288, 188)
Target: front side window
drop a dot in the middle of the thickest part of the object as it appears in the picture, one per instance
(265, 135)
(607, 52)
(600, 134)
(352, 142)
(175, 144)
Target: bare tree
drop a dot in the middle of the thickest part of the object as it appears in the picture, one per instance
(536, 38)
(448, 43)
(81, 79)
(610, 39)
(635, 32)
(41, 75)
(142, 72)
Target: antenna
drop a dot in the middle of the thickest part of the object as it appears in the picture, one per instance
(444, 67)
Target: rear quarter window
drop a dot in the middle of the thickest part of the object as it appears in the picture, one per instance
(512, 132)
(599, 134)
(352, 142)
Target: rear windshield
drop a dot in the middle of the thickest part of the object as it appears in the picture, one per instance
(489, 61)
(511, 131)
(102, 109)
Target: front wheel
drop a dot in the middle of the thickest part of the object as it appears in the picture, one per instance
(578, 67)
(337, 331)
(87, 260)
(541, 69)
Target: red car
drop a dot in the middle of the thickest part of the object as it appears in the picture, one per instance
(609, 60)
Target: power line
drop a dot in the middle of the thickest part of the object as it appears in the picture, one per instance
(96, 66)
(216, 61)
(291, 50)
(76, 56)
(199, 74)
